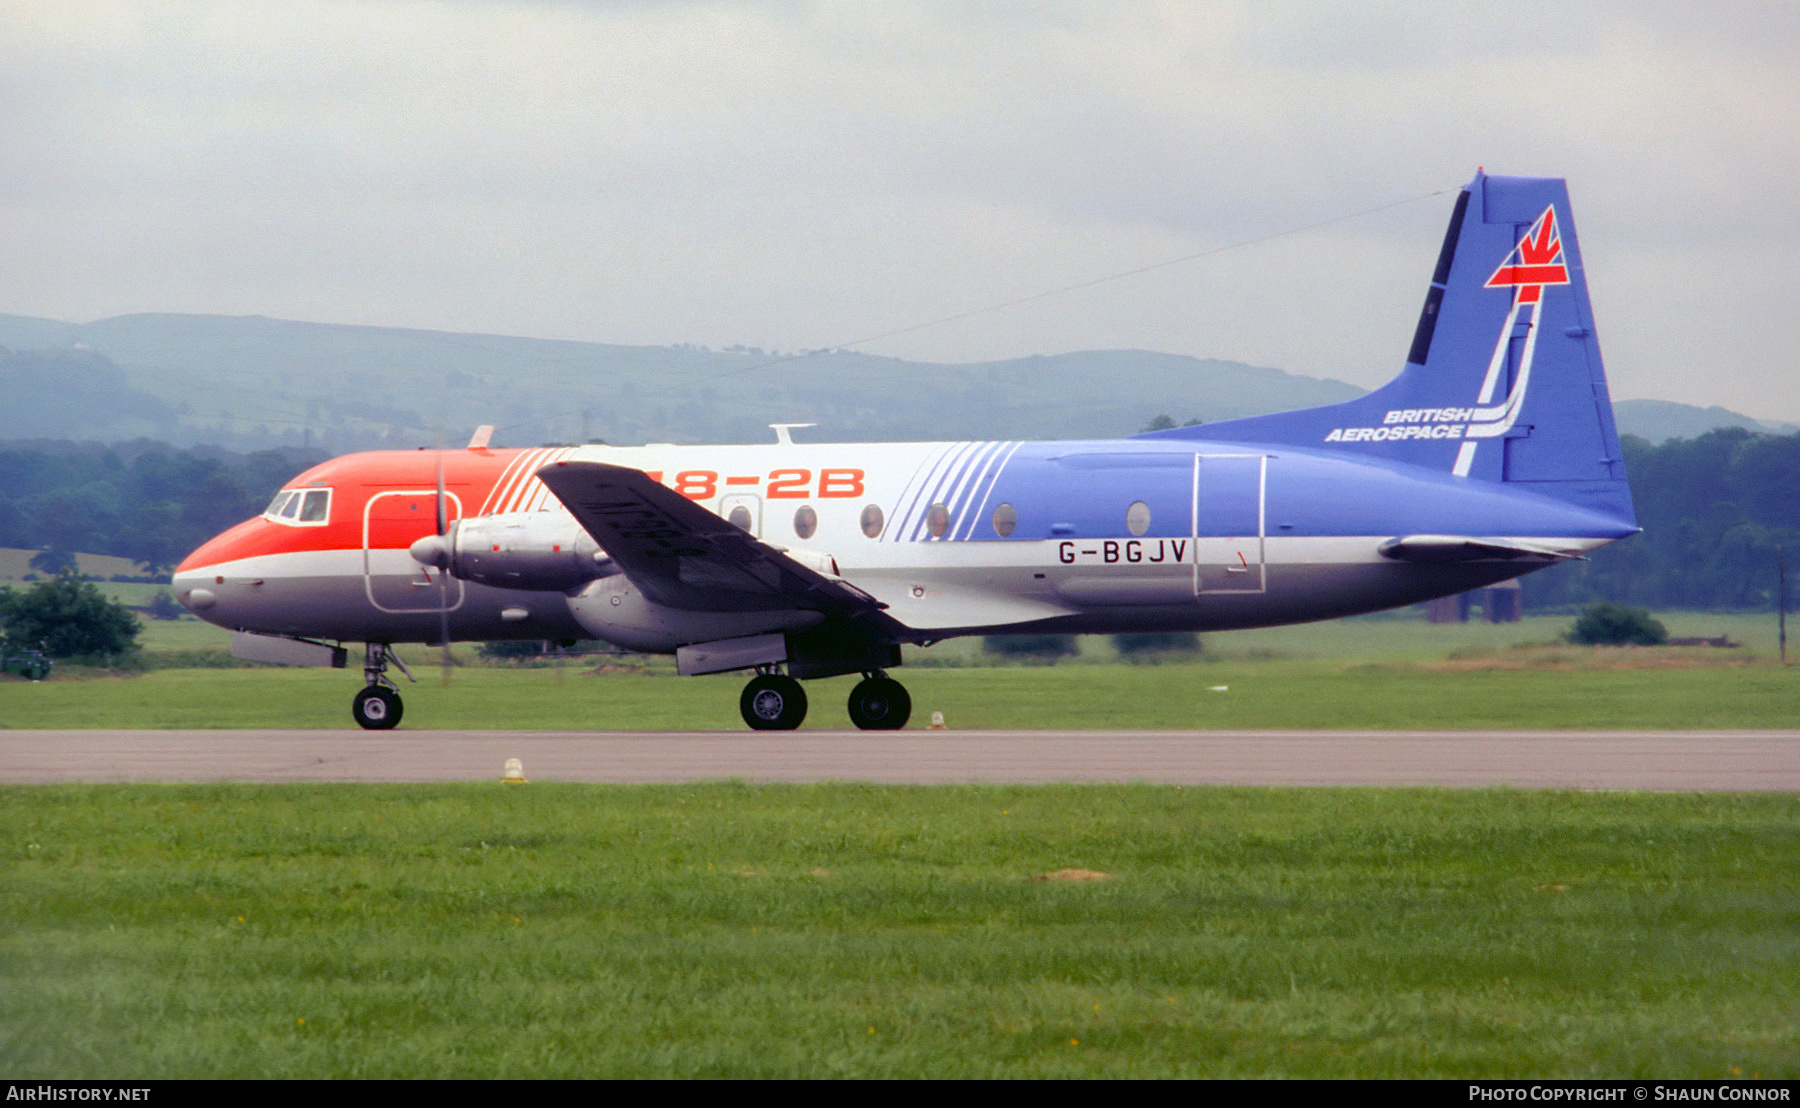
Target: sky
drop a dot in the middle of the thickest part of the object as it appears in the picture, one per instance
(1265, 182)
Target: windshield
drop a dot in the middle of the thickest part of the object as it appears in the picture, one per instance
(301, 507)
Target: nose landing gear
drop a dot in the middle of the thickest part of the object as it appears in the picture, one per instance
(378, 707)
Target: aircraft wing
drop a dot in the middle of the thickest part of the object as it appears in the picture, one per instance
(683, 556)
(1467, 548)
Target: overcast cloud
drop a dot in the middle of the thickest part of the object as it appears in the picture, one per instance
(793, 175)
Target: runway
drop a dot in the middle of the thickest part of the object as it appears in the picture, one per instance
(1752, 761)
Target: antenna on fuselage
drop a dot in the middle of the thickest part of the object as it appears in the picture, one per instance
(782, 430)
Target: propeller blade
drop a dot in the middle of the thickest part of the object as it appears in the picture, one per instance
(443, 525)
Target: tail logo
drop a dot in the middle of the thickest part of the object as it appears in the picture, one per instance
(1533, 264)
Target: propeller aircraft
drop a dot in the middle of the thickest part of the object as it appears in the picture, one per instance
(1493, 453)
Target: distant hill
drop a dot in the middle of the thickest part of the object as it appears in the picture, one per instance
(249, 383)
(1661, 420)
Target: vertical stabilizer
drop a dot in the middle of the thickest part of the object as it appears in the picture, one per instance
(1503, 381)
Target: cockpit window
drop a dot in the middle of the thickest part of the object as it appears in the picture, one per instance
(316, 506)
(300, 507)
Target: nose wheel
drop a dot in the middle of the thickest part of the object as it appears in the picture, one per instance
(378, 707)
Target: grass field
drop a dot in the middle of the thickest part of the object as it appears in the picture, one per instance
(729, 930)
(15, 565)
(1572, 689)
(726, 930)
(1374, 672)
(1397, 637)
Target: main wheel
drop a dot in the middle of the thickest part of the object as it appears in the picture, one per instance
(880, 704)
(773, 702)
(377, 708)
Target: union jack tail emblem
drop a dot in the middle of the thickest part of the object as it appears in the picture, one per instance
(1535, 262)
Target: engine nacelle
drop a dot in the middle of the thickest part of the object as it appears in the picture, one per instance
(539, 551)
(613, 609)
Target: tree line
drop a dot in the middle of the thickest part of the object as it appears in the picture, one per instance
(142, 500)
(1715, 512)
(1714, 509)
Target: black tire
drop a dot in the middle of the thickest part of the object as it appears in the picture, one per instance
(377, 708)
(773, 703)
(880, 704)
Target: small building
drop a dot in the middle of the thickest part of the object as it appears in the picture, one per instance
(1502, 603)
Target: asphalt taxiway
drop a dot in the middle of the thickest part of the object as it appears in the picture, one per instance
(1760, 761)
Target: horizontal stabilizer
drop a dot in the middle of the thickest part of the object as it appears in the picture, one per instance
(1463, 548)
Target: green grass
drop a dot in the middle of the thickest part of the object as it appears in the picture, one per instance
(1395, 671)
(1401, 636)
(1569, 688)
(15, 565)
(725, 930)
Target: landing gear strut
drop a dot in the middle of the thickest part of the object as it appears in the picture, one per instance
(879, 703)
(773, 702)
(378, 707)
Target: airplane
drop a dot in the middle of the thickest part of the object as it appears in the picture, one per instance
(1491, 454)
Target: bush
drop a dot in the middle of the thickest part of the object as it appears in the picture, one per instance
(1148, 645)
(526, 651)
(66, 618)
(510, 650)
(163, 606)
(1038, 648)
(1617, 625)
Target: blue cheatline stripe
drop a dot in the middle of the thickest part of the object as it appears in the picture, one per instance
(992, 479)
(902, 506)
(926, 492)
(963, 497)
(955, 477)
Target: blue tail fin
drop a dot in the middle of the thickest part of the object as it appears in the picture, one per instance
(1504, 380)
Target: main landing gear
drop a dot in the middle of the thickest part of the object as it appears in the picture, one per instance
(879, 703)
(378, 707)
(775, 702)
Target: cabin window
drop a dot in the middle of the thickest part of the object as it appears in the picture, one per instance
(740, 518)
(937, 520)
(1137, 517)
(1006, 520)
(872, 520)
(806, 521)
